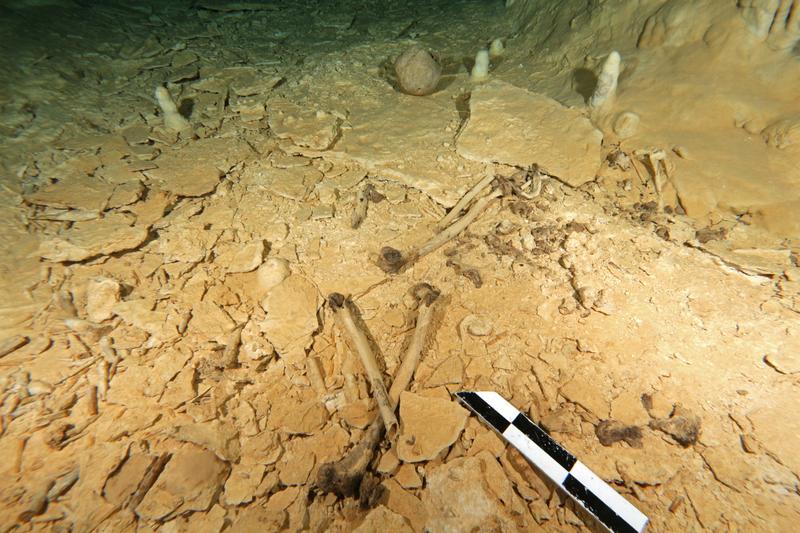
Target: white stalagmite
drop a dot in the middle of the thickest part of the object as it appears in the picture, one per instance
(496, 48)
(173, 120)
(480, 71)
(606, 81)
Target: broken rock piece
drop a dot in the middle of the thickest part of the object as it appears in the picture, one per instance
(428, 426)
(84, 193)
(222, 438)
(317, 130)
(190, 482)
(383, 519)
(513, 126)
(297, 418)
(101, 296)
(242, 484)
(94, 238)
(237, 258)
(291, 309)
(196, 169)
(460, 497)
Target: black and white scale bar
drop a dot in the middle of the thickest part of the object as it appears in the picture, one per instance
(591, 492)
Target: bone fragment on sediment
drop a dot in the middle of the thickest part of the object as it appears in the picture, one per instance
(362, 346)
(362, 203)
(459, 225)
(465, 200)
(427, 296)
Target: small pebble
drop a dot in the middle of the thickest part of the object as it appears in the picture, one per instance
(478, 327)
(39, 387)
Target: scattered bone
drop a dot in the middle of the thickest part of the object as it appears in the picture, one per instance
(469, 272)
(393, 261)
(626, 124)
(367, 194)
(657, 160)
(426, 296)
(465, 200)
(682, 425)
(230, 354)
(475, 326)
(190, 481)
(62, 485)
(341, 308)
(345, 476)
(36, 387)
(102, 379)
(36, 503)
(610, 431)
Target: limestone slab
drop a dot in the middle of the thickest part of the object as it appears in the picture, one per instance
(195, 169)
(410, 140)
(189, 482)
(428, 426)
(93, 238)
(317, 130)
(517, 127)
(291, 309)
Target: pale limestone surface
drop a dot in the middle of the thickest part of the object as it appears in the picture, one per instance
(197, 169)
(291, 308)
(93, 238)
(428, 426)
(595, 304)
(510, 125)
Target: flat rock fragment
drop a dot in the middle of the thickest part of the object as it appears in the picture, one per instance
(401, 138)
(94, 238)
(196, 169)
(291, 309)
(226, 6)
(428, 426)
(222, 438)
(777, 429)
(297, 418)
(242, 484)
(383, 519)
(237, 258)
(517, 127)
(786, 361)
(189, 482)
(317, 130)
(293, 183)
(459, 497)
(101, 296)
(74, 192)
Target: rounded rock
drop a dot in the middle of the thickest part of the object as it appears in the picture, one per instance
(626, 124)
(272, 272)
(418, 72)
